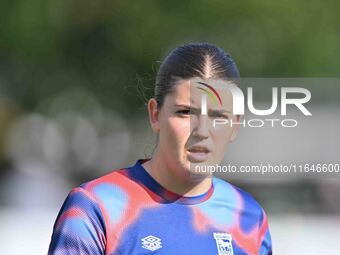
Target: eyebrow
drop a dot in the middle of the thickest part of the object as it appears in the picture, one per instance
(197, 109)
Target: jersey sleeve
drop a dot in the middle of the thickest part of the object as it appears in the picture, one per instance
(79, 227)
(265, 242)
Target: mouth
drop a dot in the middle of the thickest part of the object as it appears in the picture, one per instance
(199, 148)
(198, 153)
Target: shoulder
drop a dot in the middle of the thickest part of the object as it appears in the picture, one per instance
(242, 200)
(92, 196)
(107, 188)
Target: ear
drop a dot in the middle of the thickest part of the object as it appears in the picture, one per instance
(153, 115)
(236, 129)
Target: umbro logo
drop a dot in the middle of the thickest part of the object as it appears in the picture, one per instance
(151, 243)
(224, 244)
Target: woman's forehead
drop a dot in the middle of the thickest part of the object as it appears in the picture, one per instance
(190, 91)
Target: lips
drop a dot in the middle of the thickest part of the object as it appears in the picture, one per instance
(198, 153)
(199, 148)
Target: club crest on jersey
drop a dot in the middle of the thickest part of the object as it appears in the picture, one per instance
(223, 242)
(151, 243)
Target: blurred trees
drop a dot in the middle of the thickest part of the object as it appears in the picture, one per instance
(110, 47)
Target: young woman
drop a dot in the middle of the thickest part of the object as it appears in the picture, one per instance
(165, 204)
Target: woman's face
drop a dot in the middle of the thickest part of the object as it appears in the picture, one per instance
(188, 138)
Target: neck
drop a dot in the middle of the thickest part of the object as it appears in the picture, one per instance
(158, 168)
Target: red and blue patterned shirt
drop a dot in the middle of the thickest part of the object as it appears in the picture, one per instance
(127, 212)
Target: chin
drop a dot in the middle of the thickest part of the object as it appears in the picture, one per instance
(192, 166)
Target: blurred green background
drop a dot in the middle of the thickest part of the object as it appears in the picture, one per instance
(108, 46)
(75, 76)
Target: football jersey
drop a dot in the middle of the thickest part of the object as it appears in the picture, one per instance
(127, 212)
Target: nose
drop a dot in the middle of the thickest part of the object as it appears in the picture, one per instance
(200, 129)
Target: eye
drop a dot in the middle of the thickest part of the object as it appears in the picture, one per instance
(219, 115)
(184, 112)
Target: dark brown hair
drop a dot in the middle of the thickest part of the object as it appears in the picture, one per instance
(203, 60)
